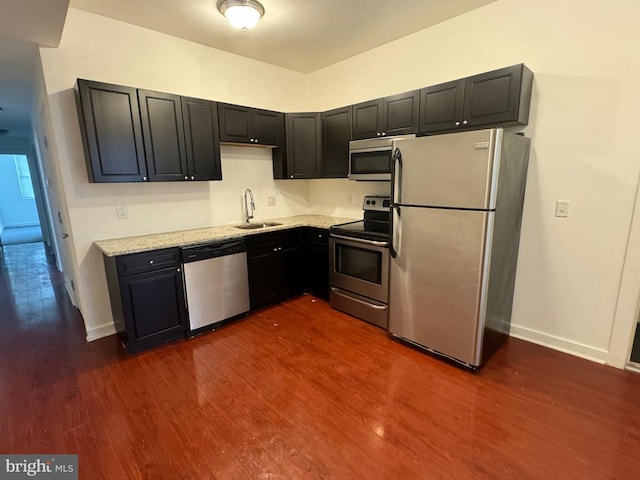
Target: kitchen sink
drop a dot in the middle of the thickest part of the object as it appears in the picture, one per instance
(253, 226)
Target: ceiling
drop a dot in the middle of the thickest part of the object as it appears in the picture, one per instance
(301, 35)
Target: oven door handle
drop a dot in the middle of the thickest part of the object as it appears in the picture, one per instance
(361, 240)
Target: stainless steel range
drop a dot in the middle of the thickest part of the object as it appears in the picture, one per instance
(359, 263)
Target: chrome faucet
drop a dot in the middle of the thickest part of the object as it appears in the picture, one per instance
(248, 202)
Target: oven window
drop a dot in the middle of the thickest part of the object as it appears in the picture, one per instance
(358, 262)
(371, 162)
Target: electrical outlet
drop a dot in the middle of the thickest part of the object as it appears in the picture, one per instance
(271, 201)
(350, 198)
(121, 212)
(562, 208)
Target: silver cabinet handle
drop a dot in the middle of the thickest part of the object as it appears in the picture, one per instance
(384, 134)
(464, 122)
(186, 178)
(150, 262)
(457, 124)
(193, 177)
(144, 179)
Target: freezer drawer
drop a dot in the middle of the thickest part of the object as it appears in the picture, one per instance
(438, 279)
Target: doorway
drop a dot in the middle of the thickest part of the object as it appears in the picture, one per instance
(635, 350)
(20, 212)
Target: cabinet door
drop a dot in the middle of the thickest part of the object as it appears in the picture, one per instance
(367, 119)
(400, 113)
(266, 275)
(154, 310)
(304, 145)
(336, 134)
(201, 139)
(317, 273)
(292, 253)
(493, 97)
(268, 128)
(235, 123)
(441, 106)
(111, 132)
(163, 133)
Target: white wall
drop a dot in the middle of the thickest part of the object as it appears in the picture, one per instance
(583, 127)
(98, 48)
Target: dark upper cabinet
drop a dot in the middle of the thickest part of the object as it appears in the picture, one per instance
(401, 113)
(304, 145)
(500, 97)
(135, 135)
(200, 118)
(393, 115)
(239, 124)
(367, 119)
(336, 134)
(268, 127)
(163, 133)
(111, 132)
(441, 106)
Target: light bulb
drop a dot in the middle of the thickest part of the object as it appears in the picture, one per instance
(242, 16)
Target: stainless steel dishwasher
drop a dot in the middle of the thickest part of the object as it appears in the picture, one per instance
(216, 283)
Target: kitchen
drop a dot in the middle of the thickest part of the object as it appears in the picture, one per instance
(577, 286)
(576, 311)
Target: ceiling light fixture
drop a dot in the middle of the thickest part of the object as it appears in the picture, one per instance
(242, 14)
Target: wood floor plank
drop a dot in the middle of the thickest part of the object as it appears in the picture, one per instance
(297, 391)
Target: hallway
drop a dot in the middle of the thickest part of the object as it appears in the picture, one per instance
(296, 391)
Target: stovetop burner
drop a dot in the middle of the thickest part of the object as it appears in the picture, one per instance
(374, 226)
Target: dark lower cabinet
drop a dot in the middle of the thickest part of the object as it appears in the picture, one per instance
(275, 263)
(147, 298)
(317, 265)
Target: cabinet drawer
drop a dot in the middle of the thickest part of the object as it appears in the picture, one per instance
(318, 237)
(261, 242)
(147, 261)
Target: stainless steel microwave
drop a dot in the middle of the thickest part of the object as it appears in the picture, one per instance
(370, 159)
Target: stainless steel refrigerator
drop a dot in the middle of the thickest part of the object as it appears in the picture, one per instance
(456, 212)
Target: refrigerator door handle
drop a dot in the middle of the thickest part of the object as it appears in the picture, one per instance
(395, 228)
(396, 181)
(396, 176)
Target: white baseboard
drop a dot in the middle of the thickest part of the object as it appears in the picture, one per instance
(100, 332)
(556, 343)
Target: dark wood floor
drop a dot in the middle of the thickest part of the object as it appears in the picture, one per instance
(297, 391)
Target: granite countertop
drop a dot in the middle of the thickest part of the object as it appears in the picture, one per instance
(143, 243)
